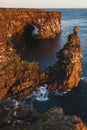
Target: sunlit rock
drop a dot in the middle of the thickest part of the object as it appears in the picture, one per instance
(68, 69)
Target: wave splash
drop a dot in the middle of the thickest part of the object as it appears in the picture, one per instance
(62, 93)
(40, 95)
(84, 79)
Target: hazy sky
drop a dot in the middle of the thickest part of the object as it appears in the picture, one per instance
(44, 3)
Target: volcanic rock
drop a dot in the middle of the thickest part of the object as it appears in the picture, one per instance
(15, 21)
(16, 115)
(67, 71)
(19, 78)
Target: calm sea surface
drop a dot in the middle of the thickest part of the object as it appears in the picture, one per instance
(45, 54)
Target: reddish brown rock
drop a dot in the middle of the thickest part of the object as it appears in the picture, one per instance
(67, 71)
(13, 21)
(20, 78)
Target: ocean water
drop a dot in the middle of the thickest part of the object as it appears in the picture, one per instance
(45, 54)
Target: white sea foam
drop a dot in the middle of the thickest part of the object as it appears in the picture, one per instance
(42, 94)
(84, 78)
(16, 103)
(62, 93)
(35, 31)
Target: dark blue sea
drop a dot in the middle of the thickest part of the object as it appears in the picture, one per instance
(45, 53)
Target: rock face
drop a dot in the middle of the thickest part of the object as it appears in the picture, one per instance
(19, 78)
(15, 115)
(14, 21)
(68, 69)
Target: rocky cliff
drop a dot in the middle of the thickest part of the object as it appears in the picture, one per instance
(67, 71)
(15, 21)
(20, 78)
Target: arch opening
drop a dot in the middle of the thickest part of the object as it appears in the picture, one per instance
(30, 32)
(30, 48)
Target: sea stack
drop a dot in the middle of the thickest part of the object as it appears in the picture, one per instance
(68, 69)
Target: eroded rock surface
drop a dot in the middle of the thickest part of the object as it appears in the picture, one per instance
(68, 69)
(15, 115)
(14, 21)
(20, 78)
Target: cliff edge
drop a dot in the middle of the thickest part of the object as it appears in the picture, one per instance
(14, 21)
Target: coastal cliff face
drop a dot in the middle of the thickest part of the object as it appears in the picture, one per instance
(68, 69)
(14, 21)
(20, 78)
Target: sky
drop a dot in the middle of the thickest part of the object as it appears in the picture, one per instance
(44, 3)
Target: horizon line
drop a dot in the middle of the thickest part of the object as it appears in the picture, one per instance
(44, 7)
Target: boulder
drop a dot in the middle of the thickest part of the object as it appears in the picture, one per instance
(16, 115)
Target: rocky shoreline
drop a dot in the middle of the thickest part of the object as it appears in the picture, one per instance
(19, 78)
(68, 69)
(16, 115)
